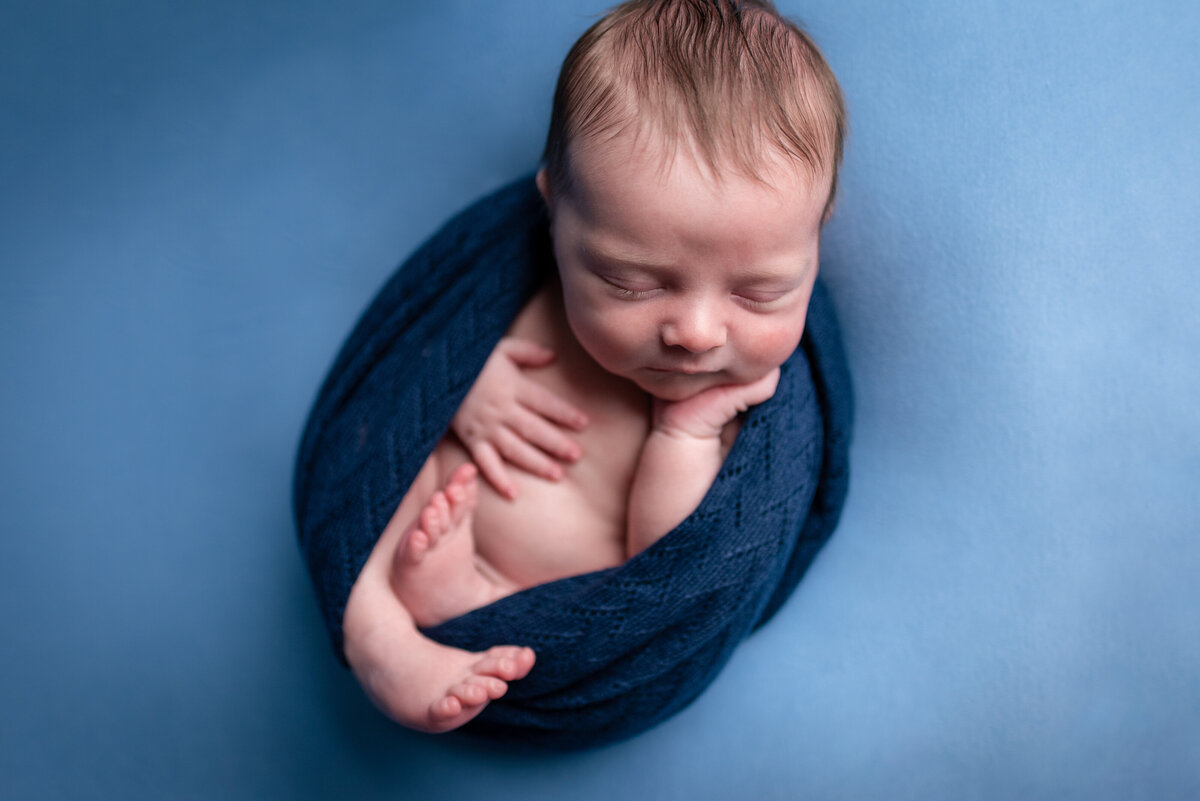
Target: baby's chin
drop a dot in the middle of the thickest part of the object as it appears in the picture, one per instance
(673, 387)
(670, 396)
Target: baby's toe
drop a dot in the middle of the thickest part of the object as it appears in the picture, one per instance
(492, 686)
(470, 693)
(443, 709)
(507, 662)
(417, 545)
(465, 474)
(435, 518)
(463, 493)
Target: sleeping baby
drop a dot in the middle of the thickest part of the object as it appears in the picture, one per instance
(690, 165)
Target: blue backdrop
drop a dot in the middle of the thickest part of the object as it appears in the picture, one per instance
(197, 199)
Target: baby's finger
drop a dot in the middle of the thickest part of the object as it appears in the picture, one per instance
(551, 406)
(761, 390)
(492, 466)
(543, 434)
(520, 453)
(730, 400)
(525, 353)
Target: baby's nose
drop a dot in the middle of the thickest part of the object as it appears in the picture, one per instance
(696, 328)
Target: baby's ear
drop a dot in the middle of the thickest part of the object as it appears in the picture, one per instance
(543, 185)
(828, 213)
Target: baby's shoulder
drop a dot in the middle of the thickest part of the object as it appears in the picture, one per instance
(574, 374)
(540, 321)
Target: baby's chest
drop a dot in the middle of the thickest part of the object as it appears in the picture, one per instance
(555, 529)
(578, 524)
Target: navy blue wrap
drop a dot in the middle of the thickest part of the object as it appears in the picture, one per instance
(620, 649)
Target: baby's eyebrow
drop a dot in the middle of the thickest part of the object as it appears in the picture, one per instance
(768, 276)
(635, 260)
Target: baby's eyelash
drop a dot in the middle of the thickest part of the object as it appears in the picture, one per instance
(631, 294)
(759, 305)
(626, 292)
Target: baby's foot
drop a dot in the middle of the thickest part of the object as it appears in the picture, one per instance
(480, 682)
(431, 687)
(434, 572)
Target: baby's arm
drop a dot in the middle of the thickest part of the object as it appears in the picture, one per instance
(682, 456)
(507, 417)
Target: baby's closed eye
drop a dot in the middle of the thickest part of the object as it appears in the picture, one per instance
(761, 299)
(629, 289)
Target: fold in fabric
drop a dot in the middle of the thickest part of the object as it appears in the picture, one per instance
(618, 650)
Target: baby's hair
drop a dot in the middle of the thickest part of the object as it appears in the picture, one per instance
(733, 79)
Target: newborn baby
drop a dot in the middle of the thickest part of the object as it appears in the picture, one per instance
(690, 166)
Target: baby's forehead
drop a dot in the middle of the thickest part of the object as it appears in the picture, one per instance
(623, 210)
(644, 150)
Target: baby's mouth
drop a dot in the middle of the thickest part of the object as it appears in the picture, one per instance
(680, 370)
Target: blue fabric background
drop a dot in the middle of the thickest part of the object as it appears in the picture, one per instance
(197, 199)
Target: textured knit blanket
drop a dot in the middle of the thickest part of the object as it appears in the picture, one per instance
(620, 649)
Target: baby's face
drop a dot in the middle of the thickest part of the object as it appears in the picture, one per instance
(680, 282)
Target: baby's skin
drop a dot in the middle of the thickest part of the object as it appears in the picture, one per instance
(438, 573)
(616, 488)
(601, 420)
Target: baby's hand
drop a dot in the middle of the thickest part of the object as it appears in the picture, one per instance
(705, 415)
(507, 417)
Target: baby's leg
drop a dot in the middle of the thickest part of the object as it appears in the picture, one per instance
(420, 683)
(434, 572)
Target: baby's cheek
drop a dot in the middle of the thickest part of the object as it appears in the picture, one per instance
(626, 327)
(610, 339)
(773, 344)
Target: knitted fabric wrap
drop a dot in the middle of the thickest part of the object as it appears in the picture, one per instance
(618, 650)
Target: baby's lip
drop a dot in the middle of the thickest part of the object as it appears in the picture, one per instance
(681, 370)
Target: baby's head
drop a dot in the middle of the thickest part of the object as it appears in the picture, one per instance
(691, 162)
